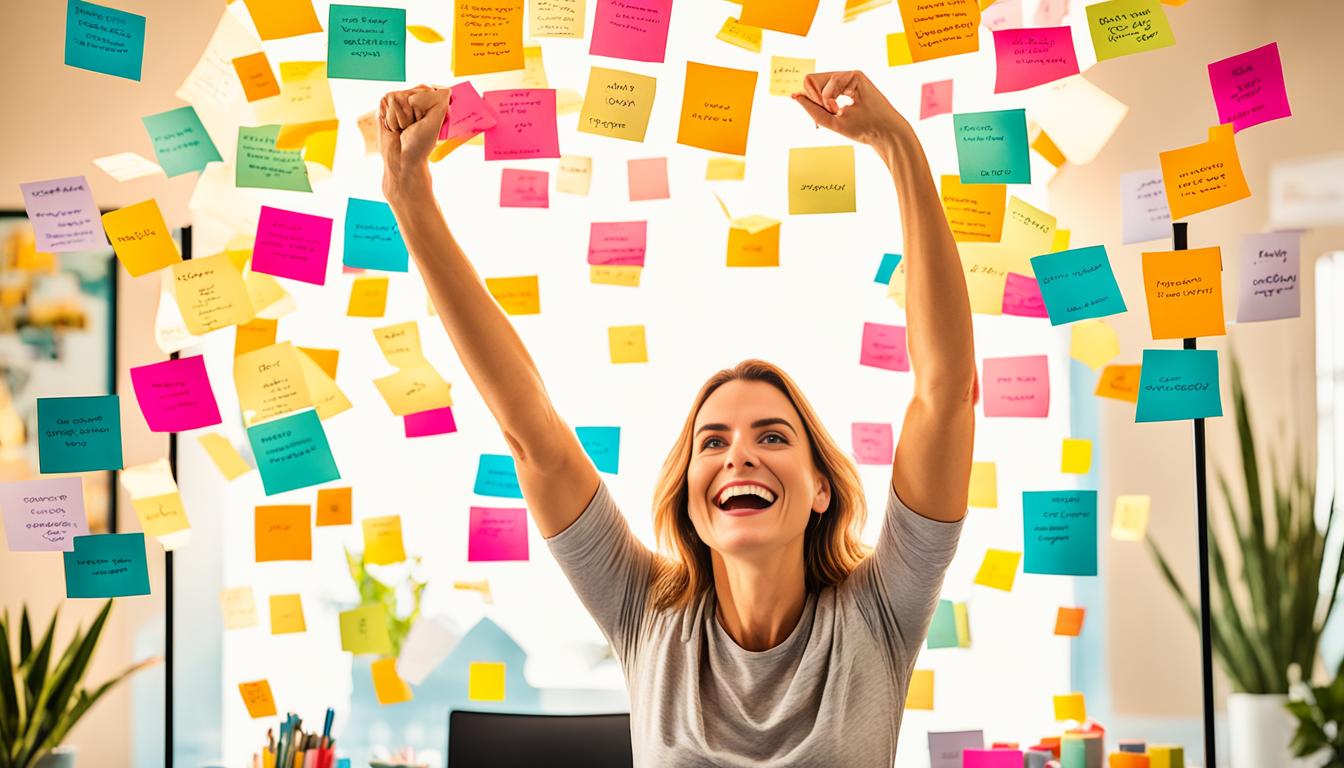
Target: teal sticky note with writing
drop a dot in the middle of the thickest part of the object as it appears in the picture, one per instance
(258, 163)
(943, 630)
(180, 141)
(372, 238)
(292, 452)
(890, 261)
(365, 43)
(497, 476)
(992, 147)
(105, 40)
(603, 446)
(1078, 284)
(1059, 532)
(78, 434)
(107, 565)
(1176, 384)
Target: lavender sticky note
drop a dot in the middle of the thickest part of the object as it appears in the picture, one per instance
(63, 215)
(1270, 288)
(43, 515)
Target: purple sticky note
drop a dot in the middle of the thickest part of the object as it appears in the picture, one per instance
(44, 515)
(1143, 203)
(525, 127)
(935, 99)
(631, 29)
(1033, 56)
(291, 244)
(872, 443)
(1248, 88)
(64, 215)
(617, 243)
(992, 758)
(524, 189)
(468, 114)
(884, 347)
(175, 395)
(1017, 386)
(497, 534)
(438, 421)
(1022, 297)
(946, 747)
(1270, 271)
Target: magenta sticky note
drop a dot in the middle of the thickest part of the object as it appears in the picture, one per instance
(497, 534)
(631, 29)
(1248, 88)
(525, 127)
(44, 515)
(617, 243)
(63, 215)
(1016, 386)
(935, 99)
(648, 178)
(438, 421)
(175, 395)
(873, 443)
(524, 189)
(884, 347)
(991, 758)
(1033, 56)
(468, 114)
(1022, 297)
(292, 244)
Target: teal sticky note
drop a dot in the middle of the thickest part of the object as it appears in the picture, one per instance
(107, 565)
(260, 165)
(890, 261)
(1177, 384)
(292, 452)
(1078, 284)
(372, 238)
(78, 434)
(180, 141)
(992, 147)
(603, 446)
(943, 630)
(105, 40)
(1059, 532)
(365, 43)
(497, 476)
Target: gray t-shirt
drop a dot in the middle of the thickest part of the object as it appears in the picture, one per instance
(831, 694)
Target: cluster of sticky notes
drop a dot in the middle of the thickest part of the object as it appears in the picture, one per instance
(950, 626)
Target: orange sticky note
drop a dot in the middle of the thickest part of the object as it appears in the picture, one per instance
(287, 614)
(1047, 149)
(999, 569)
(253, 335)
(276, 19)
(716, 108)
(792, 16)
(485, 681)
(382, 540)
(326, 359)
(984, 491)
(334, 506)
(516, 295)
(257, 698)
(140, 238)
(1185, 293)
(627, 344)
(1069, 621)
(387, 684)
(283, 532)
(1119, 382)
(937, 28)
(424, 34)
(1203, 176)
(1070, 706)
(974, 211)
(1130, 759)
(920, 693)
(753, 241)
(254, 72)
(368, 297)
(1076, 456)
(487, 36)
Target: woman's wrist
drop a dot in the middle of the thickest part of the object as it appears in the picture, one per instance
(402, 187)
(897, 144)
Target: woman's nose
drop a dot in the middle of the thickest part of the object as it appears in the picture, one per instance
(740, 454)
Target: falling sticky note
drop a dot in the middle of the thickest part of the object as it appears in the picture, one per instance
(999, 569)
(555, 18)
(364, 630)
(276, 19)
(283, 532)
(496, 534)
(716, 108)
(1268, 284)
(1119, 382)
(292, 452)
(140, 238)
(1177, 384)
(898, 50)
(1069, 621)
(1130, 520)
(485, 681)
(127, 166)
(1059, 532)
(626, 29)
(920, 694)
(211, 294)
(224, 455)
(984, 485)
(368, 297)
(753, 241)
(1078, 284)
(1248, 88)
(603, 446)
(937, 28)
(1185, 293)
(787, 74)
(305, 98)
(1070, 706)
(469, 114)
(435, 421)
(383, 544)
(106, 565)
(257, 694)
(180, 141)
(426, 646)
(943, 627)
(1143, 201)
(935, 99)
(292, 245)
(366, 43)
(1016, 386)
(574, 175)
(526, 127)
(791, 16)
(617, 242)
(63, 215)
(372, 239)
(821, 179)
(974, 211)
(270, 382)
(883, 346)
(497, 476)
(516, 295)
(400, 344)
(286, 614)
(102, 39)
(78, 434)
(387, 684)
(520, 188)
(256, 77)
(238, 607)
(1028, 57)
(414, 389)
(872, 443)
(887, 268)
(648, 178)
(1022, 297)
(627, 344)
(1076, 456)
(43, 515)
(175, 395)
(1203, 176)
(487, 36)
(992, 147)
(1027, 232)
(1125, 27)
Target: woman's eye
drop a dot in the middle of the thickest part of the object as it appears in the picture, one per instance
(709, 442)
(780, 437)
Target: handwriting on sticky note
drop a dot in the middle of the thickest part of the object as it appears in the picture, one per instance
(1059, 531)
(1130, 520)
(382, 540)
(787, 74)
(1177, 384)
(992, 147)
(821, 179)
(140, 238)
(43, 515)
(256, 77)
(631, 29)
(238, 605)
(574, 176)
(1119, 382)
(883, 346)
(364, 630)
(974, 211)
(937, 28)
(1185, 293)
(334, 506)
(496, 534)
(716, 108)
(105, 40)
(1078, 284)
(617, 243)
(175, 395)
(1143, 201)
(525, 127)
(106, 565)
(516, 295)
(260, 164)
(999, 569)
(387, 684)
(1017, 386)
(1248, 88)
(211, 294)
(1125, 27)
(287, 614)
(366, 43)
(1033, 56)
(292, 452)
(617, 104)
(1022, 297)
(257, 697)
(1204, 176)
(414, 389)
(487, 36)
(497, 476)
(872, 442)
(293, 245)
(555, 18)
(283, 532)
(270, 382)
(519, 188)
(78, 434)
(63, 215)
(1268, 286)
(400, 344)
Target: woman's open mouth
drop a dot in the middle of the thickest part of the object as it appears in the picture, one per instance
(744, 500)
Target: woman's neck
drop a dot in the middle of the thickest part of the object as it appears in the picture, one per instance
(760, 603)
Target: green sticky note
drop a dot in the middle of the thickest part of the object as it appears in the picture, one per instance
(943, 630)
(180, 141)
(1124, 27)
(364, 630)
(1059, 532)
(992, 147)
(1077, 284)
(107, 565)
(259, 164)
(104, 40)
(372, 238)
(78, 434)
(366, 43)
(292, 452)
(1177, 384)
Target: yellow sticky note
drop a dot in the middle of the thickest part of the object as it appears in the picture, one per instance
(368, 297)
(283, 532)
(334, 506)
(984, 491)
(416, 389)
(615, 274)
(753, 241)
(617, 104)
(855, 7)
(327, 398)
(253, 335)
(255, 75)
(999, 569)
(400, 344)
(1185, 293)
(791, 16)
(1070, 706)
(227, 458)
(1047, 149)
(320, 147)
(364, 630)
(962, 618)
(1119, 382)
(305, 97)
(387, 684)
(1093, 342)
(161, 516)
(920, 693)
(296, 135)
(986, 267)
(268, 297)
(821, 179)
(1027, 232)
(1203, 176)
(239, 606)
(257, 696)
(487, 36)
(1061, 242)
(1130, 521)
(974, 211)
(574, 175)
(326, 359)
(516, 295)
(287, 614)
(485, 681)
(742, 35)
(424, 34)
(382, 540)
(140, 238)
(898, 50)
(276, 19)
(555, 18)
(1076, 456)
(786, 74)
(270, 383)
(211, 294)
(725, 169)
(716, 108)
(627, 344)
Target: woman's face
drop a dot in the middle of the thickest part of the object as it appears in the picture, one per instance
(752, 482)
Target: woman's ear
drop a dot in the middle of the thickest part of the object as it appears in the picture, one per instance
(822, 501)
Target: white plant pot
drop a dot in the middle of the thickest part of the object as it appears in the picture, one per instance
(1261, 730)
(59, 757)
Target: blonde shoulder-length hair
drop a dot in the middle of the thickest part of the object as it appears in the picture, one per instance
(831, 544)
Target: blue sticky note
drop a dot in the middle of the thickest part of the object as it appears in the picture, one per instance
(1177, 384)
(1077, 284)
(107, 565)
(992, 147)
(497, 476)
(372, 238)
(78, 434)
(890, 261)
(105, 40)
(292, 452)
(1059, 532)
(943, 630)
(180, 141)
(366, 43)
(603, 446)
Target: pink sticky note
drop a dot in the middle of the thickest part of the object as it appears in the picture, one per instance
(1248, 88)
(617, 243)
(1050, 13)
(175, 395)
(291, 244)
(1022, 297)
(438, 421)
(631, 29)
(872, 443)
(44, 515)
(884, 347)
(497, 534)
(525, 127)
(935, 99)
(524, 189)
(1017, 386)
(1003, 14)
(468, 114)
(63, 215)
(648, 178)
(991, 758)
(1033, 56)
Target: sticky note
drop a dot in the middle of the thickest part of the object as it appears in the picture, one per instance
(226, 458)
(943, 626)
(387, 684)
(999, 569)
(791, 16)
(238, 607)
(328, 398)
(625, 29)
(283, 532)
(555, 18)
(1143, 202)
(526, 127)
(1032, 56)
(211, 294)
(946, 748)
(1248, 88)
(260, 164)
(78, 434)
(400, 344)
(574, 175)
(270, 382)
(372, 239)
(1076, 456)
(516, 295)
(1059, 532)
(485, 681)
(821, 179)
(292, 452)
(180, 141)
(140, 238)
(253, 335)
(1130, 519)
(127, 166)
(1027, 232)
(883, 346)
(366, 43)
(1177, 384)
(1128, 759)
(937, 28)
(920, 693)
(716, 108)
(648, 178)
(974, 211)
(1185, 293)
(382, 540)
(286, 614)
(276, 19)
(468, 116)
(1203, 176)
(1166, 756)
(107, 565)
(985, 268)
(627, 344)
(617, 242)
(43, 515)
(1125, 27)
(292, 245)
(305, 97)
(256, 77)
(1119, 382)
(1022, 297)
(520, 188)
(992, 147)
(368, 297)
(415, 389)
(1016, 386)
(364, 630)
(1078, 117)
(962, 617)
(496, 534)
(1093, 343)
(992, 758)
(984, 485)
(855, 7)
(1069, 621)
(1070, 706)
(102, 39)
(873, 443)
(487, 36)
(435, 421)
(753, 241)
(1268, 287)
(63, 215)
(496, 476)
(887, 267)
(603, 446)
(164, 517)
(787, 74)
(426, 646)
(898, 50)
(1047, 148)
(935, 99)
(257, 694)
(1078, 284)
(175, 395)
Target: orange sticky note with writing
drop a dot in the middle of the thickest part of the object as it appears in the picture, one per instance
(716, 108)
(334, 506)
(1069, 621)
(257, 698)
(937, 28)
(283, 532)
(1185, 293)
(792, 16)
(254, 72)
(487, 36)
(920, 694)
(516, 295)
(387, 684)
(1203, 176)
(287, 614)
(1119, 382)
(1070, 706)
(368, 297)
(140, 238)
(974, 211)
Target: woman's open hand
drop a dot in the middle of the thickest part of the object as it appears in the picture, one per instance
(408, 129)
(869, 119)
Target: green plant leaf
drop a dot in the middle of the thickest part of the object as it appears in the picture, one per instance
(35, 677)
(9, 702)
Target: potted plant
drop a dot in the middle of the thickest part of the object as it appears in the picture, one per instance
(1270, 618)
(1320, 721)
(42, 694)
